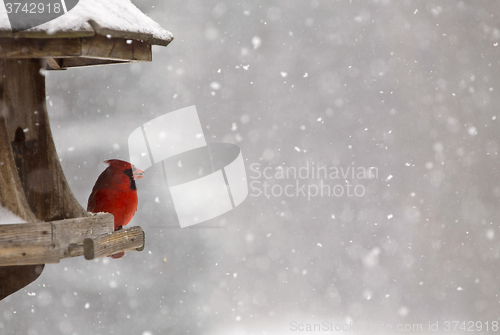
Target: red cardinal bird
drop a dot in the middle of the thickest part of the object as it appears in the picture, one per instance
(115, 192)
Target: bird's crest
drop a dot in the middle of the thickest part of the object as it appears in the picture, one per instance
(117, 163)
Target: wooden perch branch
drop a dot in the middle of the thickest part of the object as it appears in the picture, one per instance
(48, 242)
(71, 233)
(27, 244)
(34, 253)
(109, 244)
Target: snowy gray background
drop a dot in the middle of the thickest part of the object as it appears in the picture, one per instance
(404, 86)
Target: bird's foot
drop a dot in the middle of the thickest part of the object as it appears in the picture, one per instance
(117, 255)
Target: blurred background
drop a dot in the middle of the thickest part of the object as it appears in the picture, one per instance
(406, 87)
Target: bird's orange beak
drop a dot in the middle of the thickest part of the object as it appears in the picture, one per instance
(138, 174)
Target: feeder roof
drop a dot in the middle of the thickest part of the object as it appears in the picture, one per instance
(111, 18)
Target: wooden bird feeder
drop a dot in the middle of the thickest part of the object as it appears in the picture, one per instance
(32, 183)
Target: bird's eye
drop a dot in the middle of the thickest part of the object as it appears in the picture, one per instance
(128, 172)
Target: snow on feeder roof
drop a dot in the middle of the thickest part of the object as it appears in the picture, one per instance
(93, 32)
